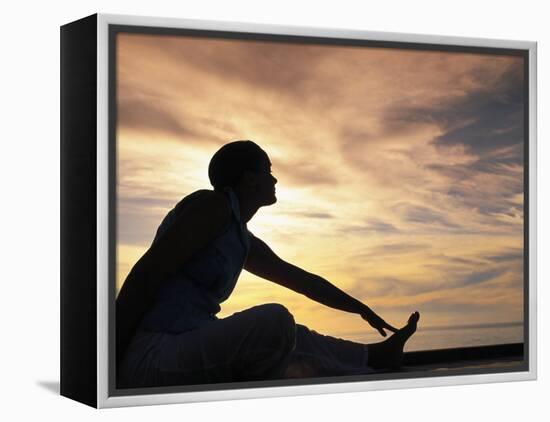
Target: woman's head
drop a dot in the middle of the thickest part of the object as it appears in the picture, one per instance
(243, 166)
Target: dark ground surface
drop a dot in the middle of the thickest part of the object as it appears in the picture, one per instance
(506, 356)
(507, 363)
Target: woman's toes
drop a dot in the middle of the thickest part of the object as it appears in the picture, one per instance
(413, 319)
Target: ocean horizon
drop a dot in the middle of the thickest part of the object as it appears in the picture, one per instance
(446, 337)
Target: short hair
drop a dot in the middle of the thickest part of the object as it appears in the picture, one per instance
(230, 162)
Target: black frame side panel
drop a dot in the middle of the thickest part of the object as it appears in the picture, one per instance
(78, 210)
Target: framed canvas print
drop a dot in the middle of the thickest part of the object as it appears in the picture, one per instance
(252, 210)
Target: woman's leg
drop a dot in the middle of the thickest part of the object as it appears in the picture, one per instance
(253, 344)
(389, 354)
(319, 355)
(259, 343)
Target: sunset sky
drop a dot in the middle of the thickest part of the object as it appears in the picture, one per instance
(400, 172)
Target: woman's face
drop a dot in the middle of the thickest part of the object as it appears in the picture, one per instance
(265, 184)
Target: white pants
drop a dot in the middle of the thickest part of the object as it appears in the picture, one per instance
(259, 343)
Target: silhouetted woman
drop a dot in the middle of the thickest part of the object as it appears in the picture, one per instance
(166, 326)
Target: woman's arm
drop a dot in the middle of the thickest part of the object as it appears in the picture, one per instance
(197, 225)
(263, 262)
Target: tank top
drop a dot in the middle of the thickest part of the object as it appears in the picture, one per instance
(192, 296)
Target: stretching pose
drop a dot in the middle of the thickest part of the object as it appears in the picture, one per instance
(167, 331)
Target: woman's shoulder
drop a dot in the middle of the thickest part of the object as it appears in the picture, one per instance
(200, 206)
(205, 200)
(197, 220)
(204, 205)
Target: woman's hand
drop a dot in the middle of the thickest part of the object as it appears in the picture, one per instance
(377, 323)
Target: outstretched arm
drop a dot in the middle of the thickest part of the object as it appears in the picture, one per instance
(263, 262)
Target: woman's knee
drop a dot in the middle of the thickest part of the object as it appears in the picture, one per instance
(267, 343)
(277, 313)
(277, 321)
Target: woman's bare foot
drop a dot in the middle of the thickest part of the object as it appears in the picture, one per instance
(389, 353)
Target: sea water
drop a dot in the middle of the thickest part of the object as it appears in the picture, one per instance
(431, 338)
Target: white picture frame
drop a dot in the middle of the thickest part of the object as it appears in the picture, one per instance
(98, 342)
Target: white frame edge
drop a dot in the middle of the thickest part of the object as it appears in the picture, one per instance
(103, 399)
(102, 212)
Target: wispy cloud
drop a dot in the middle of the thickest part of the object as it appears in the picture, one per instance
(304, 172)
(371, 225)
(420, 214)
